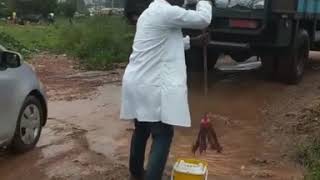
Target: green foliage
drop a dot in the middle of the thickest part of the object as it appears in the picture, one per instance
(11, 43)
(309, 156)
(68, 8)
(35, 37)
(81, 6)
(47, 6)
(24, 7)
(4, 8)
(99, 42)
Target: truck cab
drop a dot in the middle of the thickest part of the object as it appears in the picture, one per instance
(279, 32)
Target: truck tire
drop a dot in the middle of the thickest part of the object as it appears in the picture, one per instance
(292, 62)
(194, 59)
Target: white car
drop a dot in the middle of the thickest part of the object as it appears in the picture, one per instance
(23, 103)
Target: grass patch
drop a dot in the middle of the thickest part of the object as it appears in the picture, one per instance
(98, 42)
(306, 135)
(34, 37)
(308, 155)
(12, 44)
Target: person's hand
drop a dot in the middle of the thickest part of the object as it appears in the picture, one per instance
(200, 40)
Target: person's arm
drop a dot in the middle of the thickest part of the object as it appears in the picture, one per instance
(190, 19)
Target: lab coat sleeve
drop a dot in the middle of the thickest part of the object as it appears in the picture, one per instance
(190, 19)
(186, 42)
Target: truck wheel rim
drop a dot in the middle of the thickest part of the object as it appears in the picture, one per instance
(30, 124)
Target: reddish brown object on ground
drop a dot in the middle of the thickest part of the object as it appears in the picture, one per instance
(206, 135)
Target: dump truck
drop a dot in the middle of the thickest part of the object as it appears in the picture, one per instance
(279, 32)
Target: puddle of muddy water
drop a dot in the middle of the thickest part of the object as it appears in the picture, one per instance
(98, 116)
(238, 107)
(241, 109)
(238, 102)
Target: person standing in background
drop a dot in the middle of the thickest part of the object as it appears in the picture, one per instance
(51, 18)
(14, 17)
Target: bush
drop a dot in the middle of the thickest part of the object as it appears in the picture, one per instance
(308, 155)
(99, 42)
(33, 37)
(13, 44)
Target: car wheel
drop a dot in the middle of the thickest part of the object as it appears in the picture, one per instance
(29, 125)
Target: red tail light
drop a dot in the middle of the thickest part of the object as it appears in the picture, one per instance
(241, 23)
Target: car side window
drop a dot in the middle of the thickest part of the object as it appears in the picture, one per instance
(9, 60)
(12, 60)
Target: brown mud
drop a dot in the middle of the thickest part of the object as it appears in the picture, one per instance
(84, 138)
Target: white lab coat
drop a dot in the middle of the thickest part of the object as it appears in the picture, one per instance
(155, 82)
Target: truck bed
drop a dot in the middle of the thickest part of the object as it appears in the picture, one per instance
(303, 8)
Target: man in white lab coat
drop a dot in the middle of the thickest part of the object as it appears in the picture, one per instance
(154, 91)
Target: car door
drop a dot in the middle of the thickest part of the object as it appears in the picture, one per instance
(8, 109)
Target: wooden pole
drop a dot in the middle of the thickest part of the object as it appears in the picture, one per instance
(205, 66)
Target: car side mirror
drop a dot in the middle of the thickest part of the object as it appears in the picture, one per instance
(11, 59)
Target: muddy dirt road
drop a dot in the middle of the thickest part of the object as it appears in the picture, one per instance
(84, 138)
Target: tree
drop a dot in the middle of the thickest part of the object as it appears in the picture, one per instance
(68, 8)
(4, 8)
(81, 6)
(43, 7)
(47, 6)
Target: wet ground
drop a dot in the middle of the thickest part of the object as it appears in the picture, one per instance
(84, 138)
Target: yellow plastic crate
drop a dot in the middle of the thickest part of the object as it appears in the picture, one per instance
(190, 169)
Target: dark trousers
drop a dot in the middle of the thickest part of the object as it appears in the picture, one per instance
(162, 135)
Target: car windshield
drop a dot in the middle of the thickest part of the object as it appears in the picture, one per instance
(240, 4)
